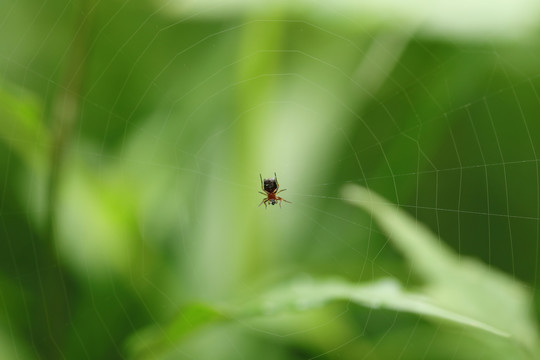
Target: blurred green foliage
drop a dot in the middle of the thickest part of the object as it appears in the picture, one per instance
(132, 135)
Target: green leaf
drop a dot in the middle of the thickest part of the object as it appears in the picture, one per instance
(297, 297)
(382, 294)
(457, 291)
(155, 340)
(461, 19)
(21, 127)
(461, 285)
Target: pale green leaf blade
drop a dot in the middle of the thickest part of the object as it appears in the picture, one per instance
(460, 19)
(383, 294)
(461, 285)
(297, 297)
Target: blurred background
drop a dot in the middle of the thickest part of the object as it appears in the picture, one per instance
(133, 133)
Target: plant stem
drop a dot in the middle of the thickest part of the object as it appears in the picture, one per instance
(58, 287)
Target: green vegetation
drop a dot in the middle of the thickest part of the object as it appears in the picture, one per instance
(133, 133)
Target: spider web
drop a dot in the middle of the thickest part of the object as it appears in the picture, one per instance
(177, 117)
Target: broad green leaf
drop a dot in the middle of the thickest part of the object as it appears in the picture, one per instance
(460, 19)
(461, 285)
(298, 297)
(382, 294)
(457, 290)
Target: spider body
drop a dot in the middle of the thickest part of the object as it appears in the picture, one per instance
(270, 185)
(271, 189)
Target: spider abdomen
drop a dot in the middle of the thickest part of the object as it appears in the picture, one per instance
(270, 185)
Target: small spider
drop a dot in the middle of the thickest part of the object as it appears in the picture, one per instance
(270, 188)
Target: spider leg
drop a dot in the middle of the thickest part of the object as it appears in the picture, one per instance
(260, 192)
(282, 199)
(262, 186)
(280, 191)
(264, 202)
(277, 183)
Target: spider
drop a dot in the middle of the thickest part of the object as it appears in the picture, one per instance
(270, 188)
